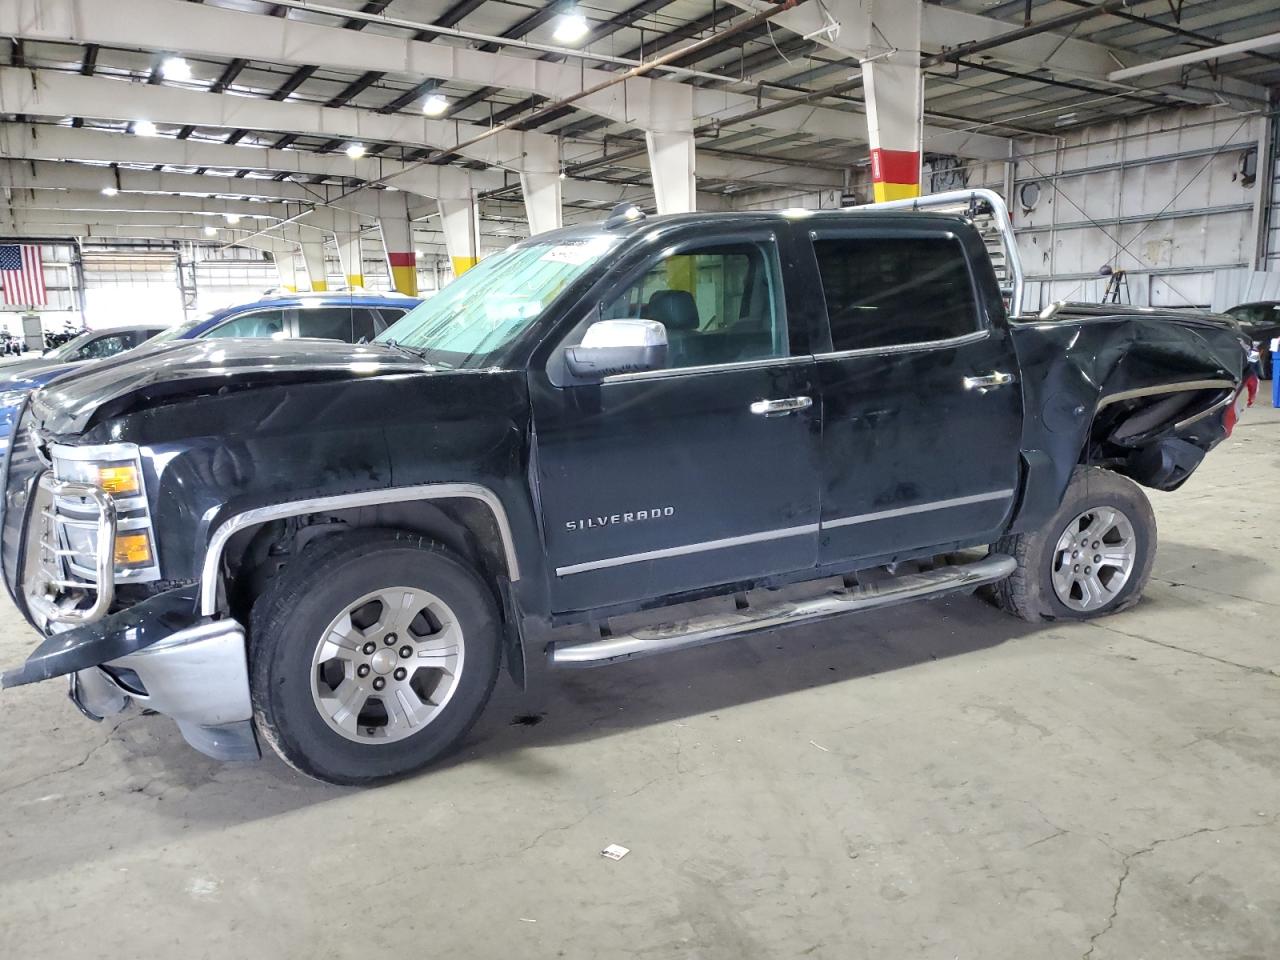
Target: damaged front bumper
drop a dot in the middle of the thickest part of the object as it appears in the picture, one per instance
(161, 654)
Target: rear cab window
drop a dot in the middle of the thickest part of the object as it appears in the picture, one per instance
(895, 290)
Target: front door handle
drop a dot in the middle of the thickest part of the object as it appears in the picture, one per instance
(778, 408)
(989, 382)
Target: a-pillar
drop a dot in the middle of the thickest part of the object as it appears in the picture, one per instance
(894, 89)
(397, 241)
(313, 259)
(461, 224)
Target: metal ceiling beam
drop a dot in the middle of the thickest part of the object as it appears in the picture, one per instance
(46, 93)
(89, 200)
(50, 175)
(1196, 56)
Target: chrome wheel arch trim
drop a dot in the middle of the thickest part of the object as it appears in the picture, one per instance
(209, 578)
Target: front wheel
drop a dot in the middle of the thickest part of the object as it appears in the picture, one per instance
(371, 655)
(1093, 557)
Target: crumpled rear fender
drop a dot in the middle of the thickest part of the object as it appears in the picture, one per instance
(1083, 377)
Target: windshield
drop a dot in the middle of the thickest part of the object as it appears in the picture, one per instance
(71, 349)
(178, 331)
(472, 319)
(1257, 314)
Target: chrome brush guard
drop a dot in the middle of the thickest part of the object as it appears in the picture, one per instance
(54, 593)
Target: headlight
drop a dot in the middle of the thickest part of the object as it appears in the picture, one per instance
(120, 478)
(115, 468)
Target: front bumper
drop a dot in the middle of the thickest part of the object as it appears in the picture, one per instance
(161, 654)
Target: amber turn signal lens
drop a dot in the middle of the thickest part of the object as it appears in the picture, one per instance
(119, 481)
(133, 549)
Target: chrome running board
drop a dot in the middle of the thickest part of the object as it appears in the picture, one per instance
(709, 629)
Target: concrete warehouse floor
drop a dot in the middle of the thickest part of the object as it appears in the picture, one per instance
(935, 781)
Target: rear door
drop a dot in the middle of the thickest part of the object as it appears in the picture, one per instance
(922, 408)
(659, 482)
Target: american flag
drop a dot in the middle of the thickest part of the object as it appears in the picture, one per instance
(22, 273)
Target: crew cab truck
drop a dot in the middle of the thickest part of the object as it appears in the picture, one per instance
(333, 548)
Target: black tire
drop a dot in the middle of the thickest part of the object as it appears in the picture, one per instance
(289, 618)
(1029, 592)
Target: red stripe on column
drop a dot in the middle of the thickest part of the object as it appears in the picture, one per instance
(895, 166)
(401, 259)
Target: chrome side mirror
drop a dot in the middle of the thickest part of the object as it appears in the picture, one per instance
(617, 346)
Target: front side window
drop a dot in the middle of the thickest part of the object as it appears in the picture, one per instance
(720, 303)
(102, 347)
(895, 291)
(261, 324)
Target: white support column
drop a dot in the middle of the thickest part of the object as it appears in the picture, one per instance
(397, 242)
(460, 220)
(668, 135)
(671, 164)
(347, 234)
(286, 267)
(313, 258)
(894, 87)
(542, 188)
(542, 201)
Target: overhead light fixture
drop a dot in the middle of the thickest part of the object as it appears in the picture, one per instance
(355, 150)
(210, 231)
(231, 218)
(435, 105)
(145, 128)
(175, 68)
(110, 191)
(571, 27)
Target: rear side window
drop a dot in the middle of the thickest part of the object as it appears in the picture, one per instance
(368, 322)
(892, 291)
(325, 323)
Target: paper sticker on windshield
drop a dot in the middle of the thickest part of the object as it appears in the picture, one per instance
(577, 252)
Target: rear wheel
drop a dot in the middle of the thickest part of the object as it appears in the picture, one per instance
(371, 655)
(1093, 557)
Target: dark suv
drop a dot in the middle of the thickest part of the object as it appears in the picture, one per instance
(605, 442)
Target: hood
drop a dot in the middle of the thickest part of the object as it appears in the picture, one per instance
(188, 369)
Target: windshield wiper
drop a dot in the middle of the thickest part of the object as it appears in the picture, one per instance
(418, 353)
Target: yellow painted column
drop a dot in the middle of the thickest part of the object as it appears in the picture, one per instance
(404, 272)
(462, 264)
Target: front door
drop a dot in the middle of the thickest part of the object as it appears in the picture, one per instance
(668, 481)
(922, 404)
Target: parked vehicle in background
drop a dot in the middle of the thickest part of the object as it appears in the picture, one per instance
(326, 316)
(1261, 322)
(605, 442)
(20, 378)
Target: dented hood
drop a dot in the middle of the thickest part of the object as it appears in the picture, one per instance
(188, 369)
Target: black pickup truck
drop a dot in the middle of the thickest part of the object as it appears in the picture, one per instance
(602, 443)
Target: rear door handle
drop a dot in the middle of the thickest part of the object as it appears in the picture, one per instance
(989, 382)
(778, 408)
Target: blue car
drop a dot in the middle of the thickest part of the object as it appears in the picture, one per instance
(327, 316)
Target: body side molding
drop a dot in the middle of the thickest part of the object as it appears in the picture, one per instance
(368, 498)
